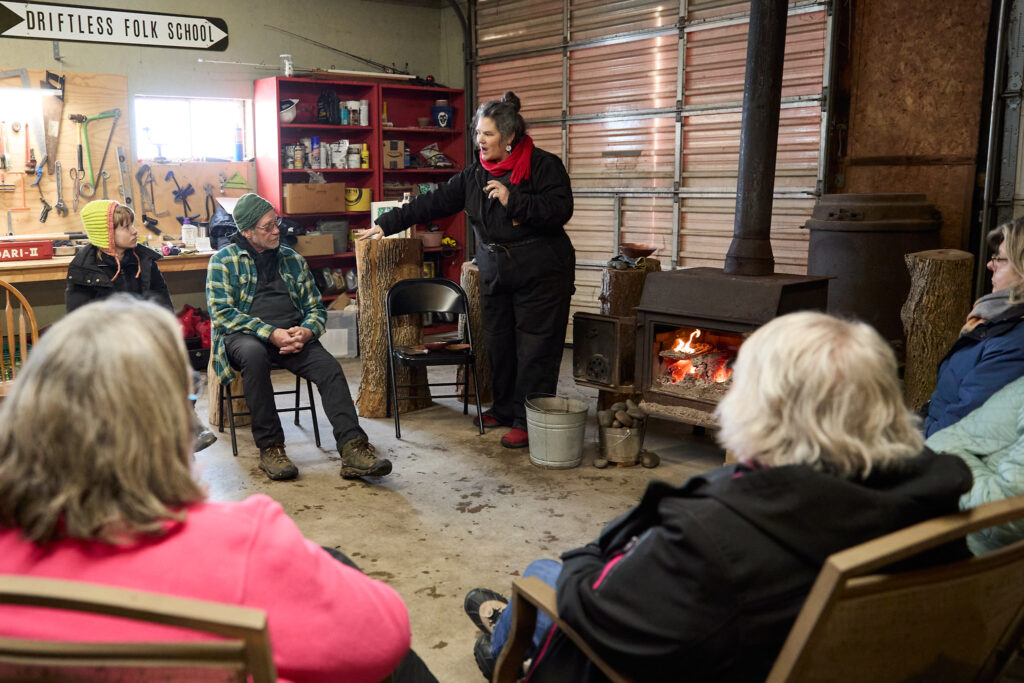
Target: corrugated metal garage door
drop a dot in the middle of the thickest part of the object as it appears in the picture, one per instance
(642, 100)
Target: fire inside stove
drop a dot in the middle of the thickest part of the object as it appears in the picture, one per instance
(695, 362)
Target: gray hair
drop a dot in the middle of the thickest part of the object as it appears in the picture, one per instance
(811, 389)
(505, 114)
(95, 436)
(1012, 234)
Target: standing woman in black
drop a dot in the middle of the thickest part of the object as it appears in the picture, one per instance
(518, 199)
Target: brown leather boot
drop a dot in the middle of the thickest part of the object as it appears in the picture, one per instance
(274, 461)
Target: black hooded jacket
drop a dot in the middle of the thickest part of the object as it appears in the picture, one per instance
(91, 276)
(713, 573)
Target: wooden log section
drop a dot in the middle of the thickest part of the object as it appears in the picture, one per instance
(470, 281)
(621, 289)
(380, 264)
(238, 405)
(933, 314)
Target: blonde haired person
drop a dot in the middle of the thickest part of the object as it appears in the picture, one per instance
(114, 262)
(96, 486)
(989, 354)
(829, 457)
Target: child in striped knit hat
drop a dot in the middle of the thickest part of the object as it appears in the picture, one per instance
(114, 261)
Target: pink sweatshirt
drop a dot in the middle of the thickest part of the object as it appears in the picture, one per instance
(328, 622)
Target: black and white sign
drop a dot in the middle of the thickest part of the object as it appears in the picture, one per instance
(50, 21)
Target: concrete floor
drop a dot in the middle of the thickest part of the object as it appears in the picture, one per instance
(458, 511)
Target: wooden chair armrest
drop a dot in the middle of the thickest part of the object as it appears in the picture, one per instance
(528, 595)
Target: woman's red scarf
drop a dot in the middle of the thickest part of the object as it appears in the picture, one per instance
(518, 162)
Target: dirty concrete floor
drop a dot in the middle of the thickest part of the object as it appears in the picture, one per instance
(458, 511)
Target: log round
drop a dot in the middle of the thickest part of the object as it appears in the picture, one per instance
(933, 314)
(621, 289)
(238, 405)
(381, 263)
(470, 282)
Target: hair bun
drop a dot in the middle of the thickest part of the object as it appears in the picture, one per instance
(510, 98)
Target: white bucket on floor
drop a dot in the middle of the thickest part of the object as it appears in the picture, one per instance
(556, 426)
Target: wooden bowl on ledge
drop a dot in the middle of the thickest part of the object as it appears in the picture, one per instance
(635, 249)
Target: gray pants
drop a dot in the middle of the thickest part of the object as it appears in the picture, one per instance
(254, 358)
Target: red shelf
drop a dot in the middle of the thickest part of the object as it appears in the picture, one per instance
(327, 126)
(417, 129)
(327, 170)
(321, 215)
(411, 171)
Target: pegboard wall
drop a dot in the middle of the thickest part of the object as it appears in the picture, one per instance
(89, 95)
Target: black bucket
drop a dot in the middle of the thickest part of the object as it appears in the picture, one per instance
(860, 240)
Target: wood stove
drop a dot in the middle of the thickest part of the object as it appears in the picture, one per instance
(690, 326)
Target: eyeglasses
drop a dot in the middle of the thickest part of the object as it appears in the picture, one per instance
(270, 228)
(998, 260)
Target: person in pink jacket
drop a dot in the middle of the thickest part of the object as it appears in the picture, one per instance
(96, 485)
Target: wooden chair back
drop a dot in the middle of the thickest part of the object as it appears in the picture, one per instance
(244, 650)
(957, 621)
(18, 332)
(953, 622)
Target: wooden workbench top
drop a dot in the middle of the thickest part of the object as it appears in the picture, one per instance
(57, 267)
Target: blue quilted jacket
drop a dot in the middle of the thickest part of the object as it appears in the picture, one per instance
(980, 363)
(991, 441)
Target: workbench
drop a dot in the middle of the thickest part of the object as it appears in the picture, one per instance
(56, 268)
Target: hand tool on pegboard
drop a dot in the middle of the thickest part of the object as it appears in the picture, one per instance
(125, 189)
(104, 176)
(235, 182)
(35, 113)
(30, 155)
(181, 196)
(24, 203)
(60, 206)
(210, 202)
(3, 145)
(53, 110)
(45, 213)
(144, 176)
(78, 174)
(89, 188)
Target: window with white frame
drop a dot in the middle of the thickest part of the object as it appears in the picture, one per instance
(192, 128)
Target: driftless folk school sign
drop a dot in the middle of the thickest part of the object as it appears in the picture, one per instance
(76, 23)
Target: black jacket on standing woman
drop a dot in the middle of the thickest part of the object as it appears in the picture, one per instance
(527, 267)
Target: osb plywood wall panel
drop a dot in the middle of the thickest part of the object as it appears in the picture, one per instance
(86, 94)
(917, 73)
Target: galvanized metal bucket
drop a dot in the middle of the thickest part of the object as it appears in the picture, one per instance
(622, 445)
(556, 426)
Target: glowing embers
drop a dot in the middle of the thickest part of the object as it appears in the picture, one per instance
(695, 362)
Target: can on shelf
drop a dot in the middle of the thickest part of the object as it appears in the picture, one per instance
(299, 159)
(364, 112)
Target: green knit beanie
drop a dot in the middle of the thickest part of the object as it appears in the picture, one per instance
(249, 210)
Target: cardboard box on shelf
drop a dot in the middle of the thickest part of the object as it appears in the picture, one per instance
(394, 154)
(315, 245)
(314, 198)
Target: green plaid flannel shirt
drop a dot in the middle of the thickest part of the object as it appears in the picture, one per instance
(230, 287)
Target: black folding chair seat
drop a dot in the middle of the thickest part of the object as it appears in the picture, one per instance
(429, 295)
(223, 396)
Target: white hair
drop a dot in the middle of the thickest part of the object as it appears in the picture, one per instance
(811, 389)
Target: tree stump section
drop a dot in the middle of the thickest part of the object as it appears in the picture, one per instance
(238, 405)
(470, 281)
(933, 314)
(380, 264)
(621, 289)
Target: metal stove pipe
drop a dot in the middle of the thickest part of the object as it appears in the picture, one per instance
(751, 250)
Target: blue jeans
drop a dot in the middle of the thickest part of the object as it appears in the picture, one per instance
(547, 571)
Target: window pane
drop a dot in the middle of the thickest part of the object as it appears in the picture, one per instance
(161, 127)
(214, 124)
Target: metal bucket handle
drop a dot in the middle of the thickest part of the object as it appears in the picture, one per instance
(547, 411)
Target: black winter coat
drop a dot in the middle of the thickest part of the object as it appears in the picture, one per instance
(90, 272)
(538, 207)
(713, 573)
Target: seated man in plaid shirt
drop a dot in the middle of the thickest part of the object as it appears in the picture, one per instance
(266, 309)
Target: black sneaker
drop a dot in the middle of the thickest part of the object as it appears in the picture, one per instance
(484, 607)
(274, 461)
(482, 654)
(358, 459)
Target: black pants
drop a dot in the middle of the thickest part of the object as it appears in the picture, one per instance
(253, 358)
(524, 304)
(411, 669)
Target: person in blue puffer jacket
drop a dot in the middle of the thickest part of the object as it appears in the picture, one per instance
(990, 351)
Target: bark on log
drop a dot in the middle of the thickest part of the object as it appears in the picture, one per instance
(470, 281)
(621, 289)
(934, 312)
(238, 405)
(380, 264)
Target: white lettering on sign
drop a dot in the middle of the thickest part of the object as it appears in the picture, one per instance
(46, 21)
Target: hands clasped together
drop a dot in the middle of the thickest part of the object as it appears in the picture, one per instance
(291, 340)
